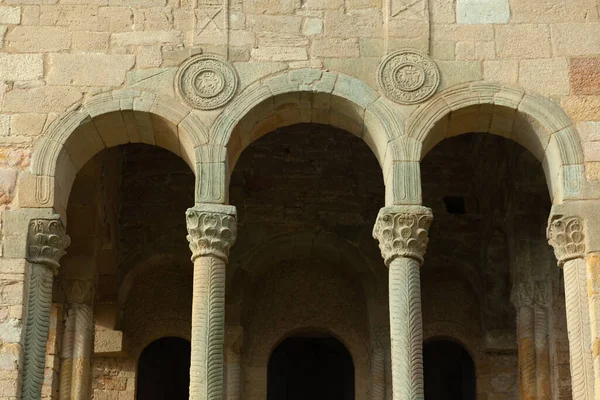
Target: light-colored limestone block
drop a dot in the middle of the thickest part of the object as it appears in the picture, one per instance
(482, 11)
(10, 15)
(33, 39)
(549, 77)
(88, 69)
(515, 41)
(575, 39)
(41, 99)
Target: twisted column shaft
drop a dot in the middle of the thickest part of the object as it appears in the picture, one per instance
(211, 233)
(77, 344)
(566, 235)
(402, 235)
(46, 242)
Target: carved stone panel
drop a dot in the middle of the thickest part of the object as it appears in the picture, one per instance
(206, 82)
(408, 77)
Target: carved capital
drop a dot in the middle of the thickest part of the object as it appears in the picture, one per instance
(523, 294)
(212, 230)
(78, 291)
(402, 231)
(565, 234)
(46, 242)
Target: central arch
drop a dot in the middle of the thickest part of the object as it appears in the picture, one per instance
(323, 97)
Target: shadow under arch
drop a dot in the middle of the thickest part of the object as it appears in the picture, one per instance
(309, 96)
(247, 268)
(294, 359)
(103, 121)
(535, 122)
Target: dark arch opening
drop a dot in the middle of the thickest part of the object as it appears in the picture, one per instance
(316, 368)
(164, 370)
(449, 371)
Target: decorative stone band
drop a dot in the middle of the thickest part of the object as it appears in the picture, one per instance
(402, 231)
(212, 230)
(46, 242)
(566, 236)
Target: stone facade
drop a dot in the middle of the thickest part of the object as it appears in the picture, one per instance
(459, 136)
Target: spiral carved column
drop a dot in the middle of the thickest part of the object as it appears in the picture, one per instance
(77, 342)
(211, 232)
(402, 232)
(566, 236)
(46, 242)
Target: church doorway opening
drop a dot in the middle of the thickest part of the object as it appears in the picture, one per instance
(316, 368)
(164, 370)
(449, 371)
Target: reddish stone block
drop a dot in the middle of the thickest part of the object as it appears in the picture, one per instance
(584, 75)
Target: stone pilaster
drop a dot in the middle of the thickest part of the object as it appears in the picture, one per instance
(77, 341)
(212, 230)
(402, 232)
(46, 243)
(566, 236)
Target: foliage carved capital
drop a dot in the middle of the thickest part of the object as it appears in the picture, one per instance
(46, 242)
(402, 231)
(212, 230)
(566, 235)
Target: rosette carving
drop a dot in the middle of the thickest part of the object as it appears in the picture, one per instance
(565, 235)
(206, 82)
(46, 242)
(408, 76)
(403, 232)
(211, 232)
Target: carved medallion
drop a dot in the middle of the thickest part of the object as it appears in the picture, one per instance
(206, 82)
(408, 77)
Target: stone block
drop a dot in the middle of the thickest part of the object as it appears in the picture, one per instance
(443, 50)
(523, 41)
(146, 38)
(360, 23)
(576, 39)
(472, 51)
(312, 26)
(442, 12)
(455, 72)
(90, 41)
(279, 53)
(33, 39)
(10, 15)
(582, 108)
(335, 48)
(43, 99)
(88, 69)
(275, 23)
(322, 5)
(505, 71)
(547, 76)
(482, 11)
(21, 67)
(549, 11)
(584, 76)
(457, 33)
(271, 6)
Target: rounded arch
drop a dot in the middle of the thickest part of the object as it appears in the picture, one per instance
(308, 95)
(535, 122)
(103, 121)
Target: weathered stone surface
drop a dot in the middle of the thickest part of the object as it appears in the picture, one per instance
(549, 77)
(482, 11)
(21, 67)
(584, 74)
(571, 39)
(88, 69)
(514, 41)
(10, 15)
(33, 39)
(41, 99)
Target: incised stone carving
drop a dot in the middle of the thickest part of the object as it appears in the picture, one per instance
(210, 232)
(46, 245)
(408, 76)
(206, 81)
(565, 235)
(402, 232)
